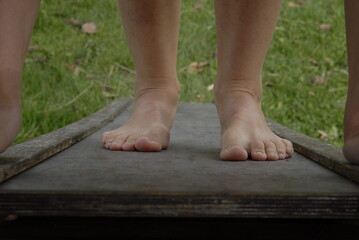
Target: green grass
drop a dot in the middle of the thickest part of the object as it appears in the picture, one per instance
(74, 74)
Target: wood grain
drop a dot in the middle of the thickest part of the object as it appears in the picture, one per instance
(321, 152)
(23, 156)
(188, 205)
(185, 181)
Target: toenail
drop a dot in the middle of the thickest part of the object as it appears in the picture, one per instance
(281, 156)
(260, 153)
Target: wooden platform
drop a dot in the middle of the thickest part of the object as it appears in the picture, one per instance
(185, 181)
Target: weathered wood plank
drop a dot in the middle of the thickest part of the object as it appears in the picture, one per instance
(186, 180)
(23, 156)
(188, 205)
(326, 154)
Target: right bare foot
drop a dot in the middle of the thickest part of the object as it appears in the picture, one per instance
(148, 128)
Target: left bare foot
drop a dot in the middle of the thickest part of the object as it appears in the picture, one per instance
(245, 133)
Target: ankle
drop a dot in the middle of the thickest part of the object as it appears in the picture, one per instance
(250, 89)
(165, 86)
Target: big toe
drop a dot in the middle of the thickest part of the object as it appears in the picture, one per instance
(146, 144)
(234, 153)
(129, 144)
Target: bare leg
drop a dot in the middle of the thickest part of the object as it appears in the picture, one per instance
(152, 33)
(245, 29)
(17, 18)
(351, 118)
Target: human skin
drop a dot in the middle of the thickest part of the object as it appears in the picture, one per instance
(351, 116)
(152, 33)
(17, 19)
(245, 29)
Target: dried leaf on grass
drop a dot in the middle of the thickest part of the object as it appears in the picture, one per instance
(313, 61)
(89, 28)
(324, 26)
(311, 93)
(110, 95)
(332, 133)
(200, 97)
(293, 5)
(126, 69)
(269, 84)
(322, 135)
(106, 88)
(210, 87)
(319, 80)
(196, 67)
(74, 22)
(78, 70)
(330, 61)
(69, 66)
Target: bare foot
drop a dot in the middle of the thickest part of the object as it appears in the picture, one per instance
(148, 128)
(245, 133)
(351, 126)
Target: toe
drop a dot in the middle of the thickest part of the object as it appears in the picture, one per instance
(115, 146)
(114, 143)
(281, 150)
(153, 140)
(288, 147)
(146, 144)
(258, 151)
(104, 137)
(271, 151)
(108, 144)
(129, 144)
(234, 153)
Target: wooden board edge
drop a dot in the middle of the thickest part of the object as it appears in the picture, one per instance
(178, 205)
(25, 155)
(321, 152)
